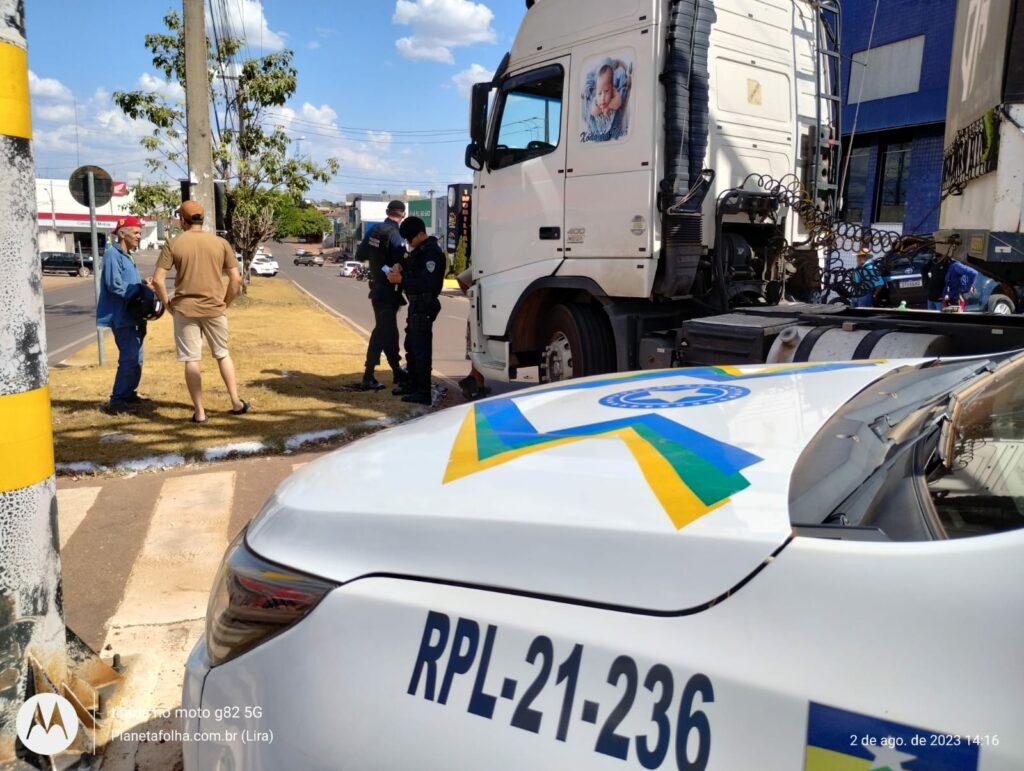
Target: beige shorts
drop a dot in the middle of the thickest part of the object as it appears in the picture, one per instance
(189, 333)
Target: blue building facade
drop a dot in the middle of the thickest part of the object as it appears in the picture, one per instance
(896, 58)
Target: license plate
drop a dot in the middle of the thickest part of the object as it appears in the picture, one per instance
(910, 284)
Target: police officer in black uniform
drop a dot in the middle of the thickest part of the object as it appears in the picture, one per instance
(422, 280)
(384, 249)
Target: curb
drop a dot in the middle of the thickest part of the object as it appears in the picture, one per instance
(287, 446)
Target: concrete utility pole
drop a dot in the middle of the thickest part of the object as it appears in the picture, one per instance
(197, 108)
(32, 634)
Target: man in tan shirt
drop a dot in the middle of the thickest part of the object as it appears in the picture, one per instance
(200, 302)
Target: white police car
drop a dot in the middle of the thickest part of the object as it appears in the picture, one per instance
(717, 568)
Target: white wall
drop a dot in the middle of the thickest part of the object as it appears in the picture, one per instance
(53, 197)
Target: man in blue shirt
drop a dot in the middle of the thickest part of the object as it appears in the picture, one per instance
(959, 281)
(868, 280)
(120, 273)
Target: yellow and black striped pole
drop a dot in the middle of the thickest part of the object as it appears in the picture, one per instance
(32, 633)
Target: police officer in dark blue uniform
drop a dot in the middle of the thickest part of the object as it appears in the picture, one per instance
(422, 280)
(384, 249)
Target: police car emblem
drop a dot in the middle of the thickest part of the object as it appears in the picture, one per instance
(431, 265)
(673, 396)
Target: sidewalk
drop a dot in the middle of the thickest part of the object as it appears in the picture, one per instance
(139, 556)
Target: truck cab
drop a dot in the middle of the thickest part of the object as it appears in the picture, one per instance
(627, 160)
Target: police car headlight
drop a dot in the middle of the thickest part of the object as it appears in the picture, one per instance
(253, 600)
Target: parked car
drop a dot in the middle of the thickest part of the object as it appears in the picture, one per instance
(904, 282)
(308, 258)
(348, 270)
(265, 265)
(66, 262)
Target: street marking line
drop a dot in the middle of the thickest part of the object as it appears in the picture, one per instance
(331, 310)
(26, 442)
(171, 578)
(160, 617)
(15, 115)
(78, 342)
(450, 380)
(73, 503)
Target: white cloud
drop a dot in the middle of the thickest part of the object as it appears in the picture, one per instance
(324, 31)
(322, 115)
(412, 49)
(47, 88)
(379, 137)
(59, 113)
(465, 80)
(168, 90)
(313, 45)
(245, 19)
(440, 25)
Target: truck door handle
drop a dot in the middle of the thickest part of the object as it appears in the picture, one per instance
(550, 234)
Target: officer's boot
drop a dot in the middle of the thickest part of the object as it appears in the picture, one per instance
(369, 382)
(419, 396)
(402, 381)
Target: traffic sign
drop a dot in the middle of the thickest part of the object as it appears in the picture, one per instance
(103, 185)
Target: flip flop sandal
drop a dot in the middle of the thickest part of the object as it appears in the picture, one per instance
(245, 408)
(197, 420)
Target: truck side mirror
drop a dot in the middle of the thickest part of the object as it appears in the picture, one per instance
(478, 113)
(474, 156)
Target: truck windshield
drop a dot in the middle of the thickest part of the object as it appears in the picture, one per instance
(976, 476)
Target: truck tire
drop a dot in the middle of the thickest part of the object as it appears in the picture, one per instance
(1000, 304)
(577, 343)
(84, 272)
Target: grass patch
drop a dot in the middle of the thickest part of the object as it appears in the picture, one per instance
(293, 361)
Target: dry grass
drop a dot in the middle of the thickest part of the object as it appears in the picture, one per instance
(293, 362)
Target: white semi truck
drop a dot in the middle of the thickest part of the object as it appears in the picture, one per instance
(638, 165)
(609, 154)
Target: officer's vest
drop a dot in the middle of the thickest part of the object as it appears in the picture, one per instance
(374, 248)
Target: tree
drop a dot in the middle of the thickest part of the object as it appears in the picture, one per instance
(250, 156)
(293, 221)
(461, 258)
(157, 200)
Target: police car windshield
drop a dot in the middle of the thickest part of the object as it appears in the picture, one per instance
(853, 471)
(976, 476)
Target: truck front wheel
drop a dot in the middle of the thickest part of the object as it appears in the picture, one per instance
(578, 343)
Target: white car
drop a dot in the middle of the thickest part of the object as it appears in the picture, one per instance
(813, 566)
(349, 268)
(265, 265)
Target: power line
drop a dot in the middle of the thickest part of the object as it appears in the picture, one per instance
(282, 116)
(369, 140)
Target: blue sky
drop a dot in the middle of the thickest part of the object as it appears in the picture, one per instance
(371, 74)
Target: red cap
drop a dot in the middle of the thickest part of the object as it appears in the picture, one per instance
(128, 222)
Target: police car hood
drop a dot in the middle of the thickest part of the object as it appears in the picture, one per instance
(662, 490)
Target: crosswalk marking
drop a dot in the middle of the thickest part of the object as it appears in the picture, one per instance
(73, 504)
(161, 615)
(187, 536)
